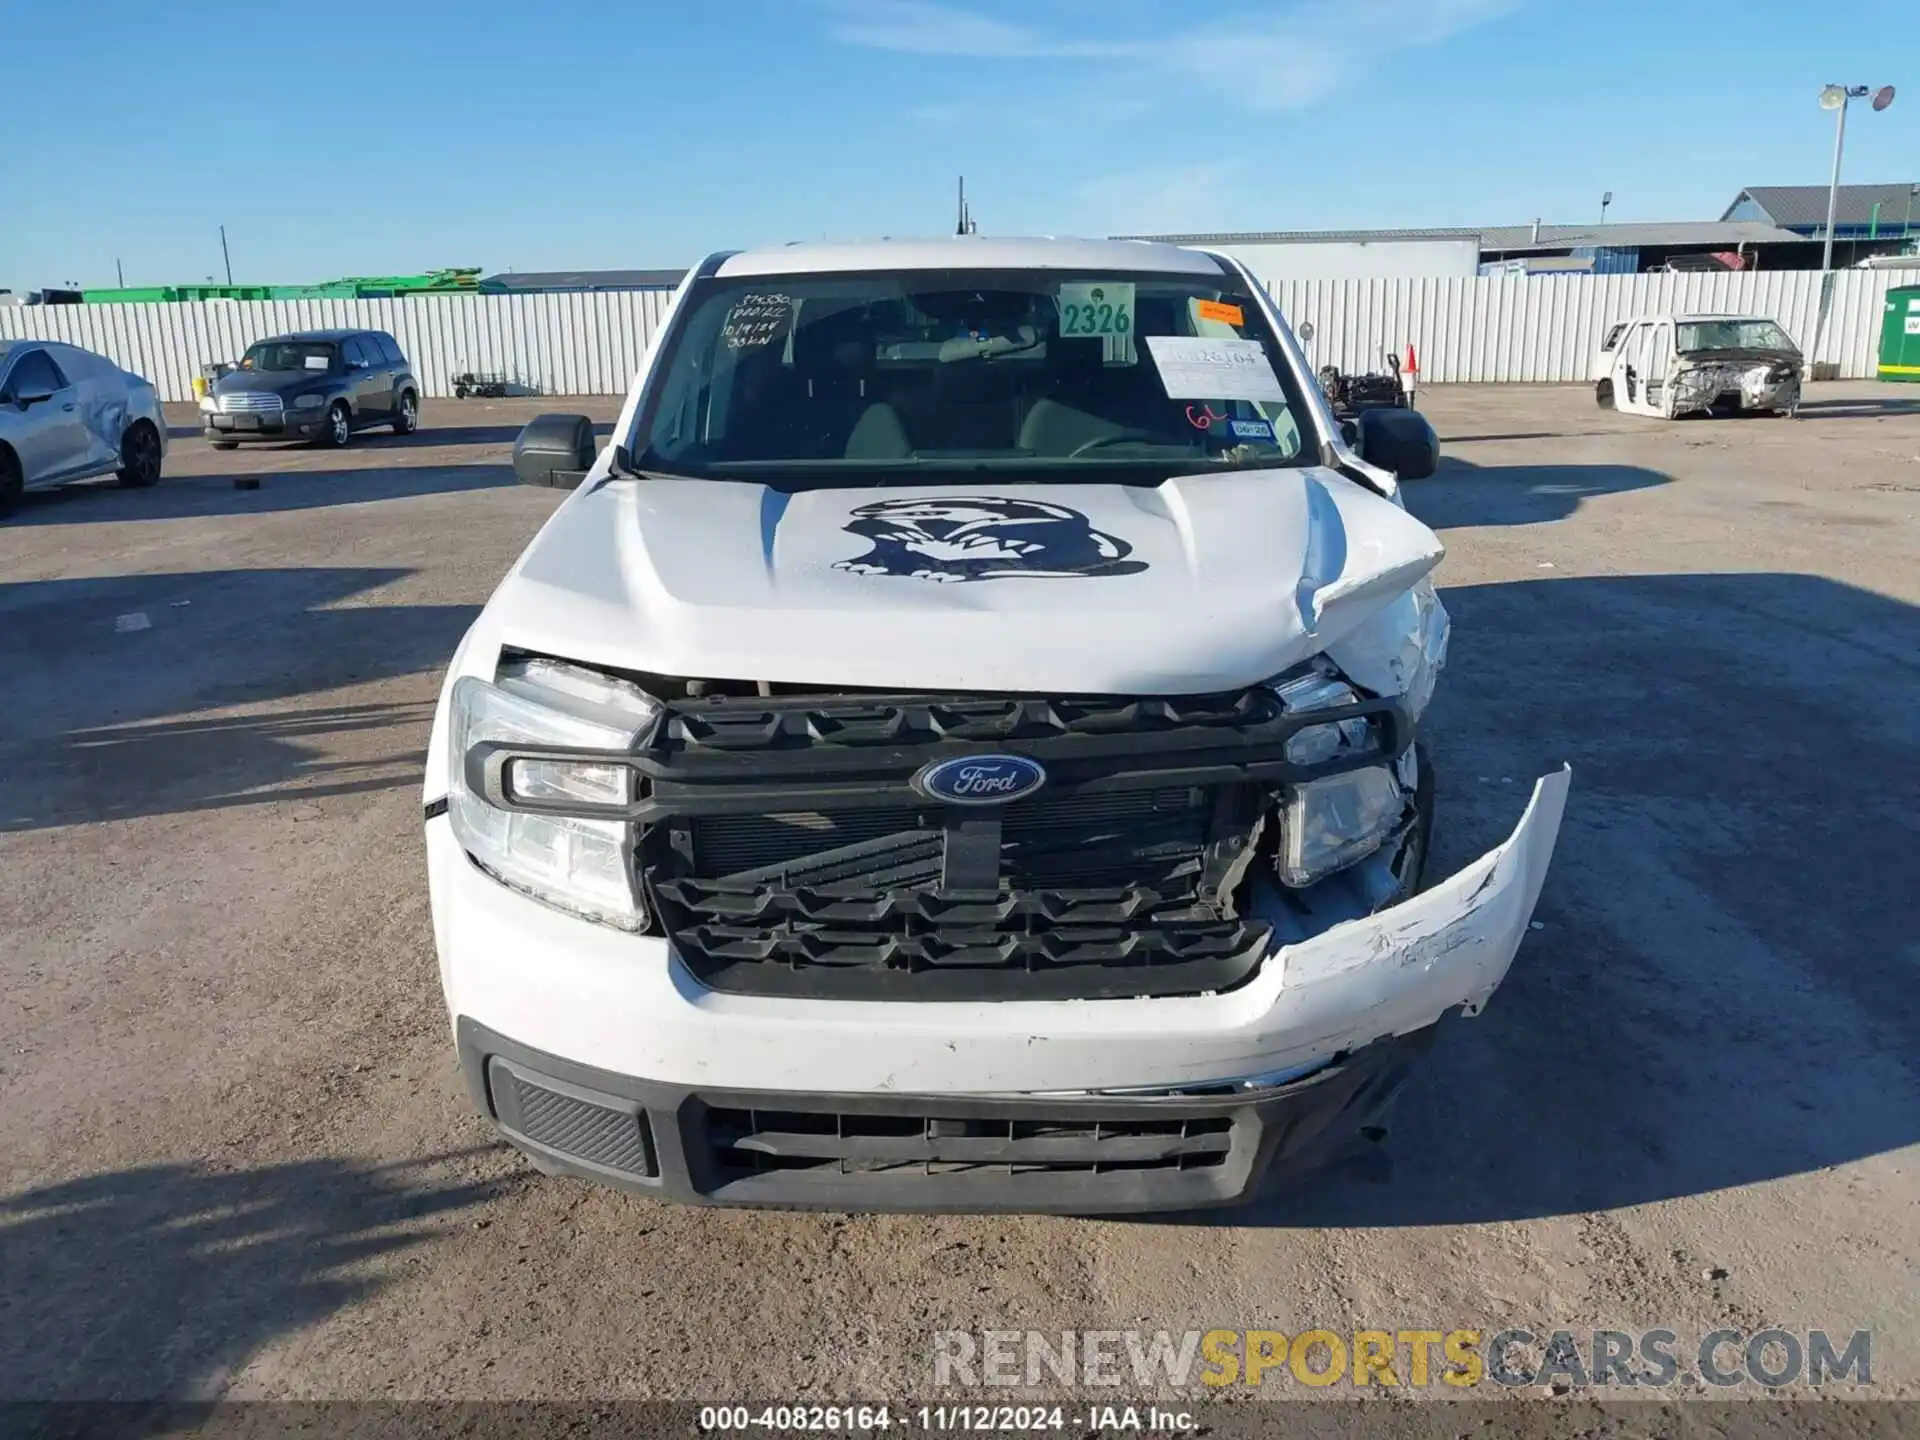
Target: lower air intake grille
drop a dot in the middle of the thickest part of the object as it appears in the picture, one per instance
(757, 1142)
(598, 1134)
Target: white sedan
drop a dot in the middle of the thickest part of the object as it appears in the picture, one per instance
(68, 414)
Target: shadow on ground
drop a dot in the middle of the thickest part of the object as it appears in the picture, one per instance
(1723, 991)
(463, 434)
(1861, 408)
(160, 1281)
(113, 679)
(180, 496)
(1463, 493)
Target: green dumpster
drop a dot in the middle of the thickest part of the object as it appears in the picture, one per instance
(1900, 335)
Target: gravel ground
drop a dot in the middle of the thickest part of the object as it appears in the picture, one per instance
(235, 1158)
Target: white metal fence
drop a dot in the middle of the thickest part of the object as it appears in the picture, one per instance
(574, 344)
(1497, 328)
(1521, 328)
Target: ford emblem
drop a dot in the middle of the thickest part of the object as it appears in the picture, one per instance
(981, 779)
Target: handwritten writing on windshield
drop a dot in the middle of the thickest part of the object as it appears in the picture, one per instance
(756, 320)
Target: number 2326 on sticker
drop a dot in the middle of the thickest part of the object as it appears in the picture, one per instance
(1096, 308)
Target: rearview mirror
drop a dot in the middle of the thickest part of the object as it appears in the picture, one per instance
(554, 451)
(1401, 441)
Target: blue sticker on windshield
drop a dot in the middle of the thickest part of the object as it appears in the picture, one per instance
(1252, 430)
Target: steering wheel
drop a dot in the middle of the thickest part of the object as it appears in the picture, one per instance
(1119, 437)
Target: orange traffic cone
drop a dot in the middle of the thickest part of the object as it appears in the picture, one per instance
(1410, 375)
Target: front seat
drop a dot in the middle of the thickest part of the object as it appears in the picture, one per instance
(835, 357)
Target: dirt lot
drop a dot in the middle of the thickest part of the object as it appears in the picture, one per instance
(234, 1157)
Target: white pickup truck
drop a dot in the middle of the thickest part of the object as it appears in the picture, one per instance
(957, 747)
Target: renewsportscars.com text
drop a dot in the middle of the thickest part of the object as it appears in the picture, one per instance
(1513, 1357)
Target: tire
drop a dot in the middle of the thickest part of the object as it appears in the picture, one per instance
(339, 426)
(139, 456)
(224, 444)
(12, 485)
(406, 419)
(1424, 793)
(1603, 394)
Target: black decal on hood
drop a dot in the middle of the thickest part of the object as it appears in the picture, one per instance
(965, 537)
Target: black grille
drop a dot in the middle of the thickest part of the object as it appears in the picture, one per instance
(1045, 841)
(738, 723)
(758, 1142)
(786, 853)
(615, 1139)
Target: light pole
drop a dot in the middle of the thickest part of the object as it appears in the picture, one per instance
(1835, 98)
(1605, 200)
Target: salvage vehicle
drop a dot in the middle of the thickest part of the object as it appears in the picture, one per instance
(958, 747)
(1673, 365)
(68, 414)
(319, 386)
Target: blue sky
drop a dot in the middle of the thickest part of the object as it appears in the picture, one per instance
(563, 133)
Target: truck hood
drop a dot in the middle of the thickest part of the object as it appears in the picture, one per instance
(1200, 583)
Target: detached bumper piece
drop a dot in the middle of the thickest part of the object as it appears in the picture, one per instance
(1093, 1154)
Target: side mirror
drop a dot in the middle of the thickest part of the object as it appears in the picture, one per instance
(1401, 441)
(554, 451)
(38, 397)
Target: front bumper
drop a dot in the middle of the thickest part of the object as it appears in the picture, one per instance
(263, 425)
(623, 1006)
(1029, 1153)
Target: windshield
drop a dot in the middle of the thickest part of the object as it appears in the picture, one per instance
(1734, 335)
(1036, 375)
(315, 355)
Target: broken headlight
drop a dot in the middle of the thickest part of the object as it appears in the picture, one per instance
(1328, 824)
(1318, 686)
(575, 864)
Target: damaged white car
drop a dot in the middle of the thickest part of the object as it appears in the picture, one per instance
(1673, 365)
(68, 414)
(958, 747)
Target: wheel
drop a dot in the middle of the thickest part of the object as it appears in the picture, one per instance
(406, 419)
(339, 426)
(12, 486)
(224, 444)
(459, 392)
(1603, 394)
(139, 456)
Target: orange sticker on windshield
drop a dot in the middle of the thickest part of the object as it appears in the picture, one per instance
(1217, 310)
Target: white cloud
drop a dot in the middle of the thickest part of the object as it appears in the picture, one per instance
(1264, 59)
(923, 27)
(1159, 200)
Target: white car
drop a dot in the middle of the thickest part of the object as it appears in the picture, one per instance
(957, 748)
(68, 414)
(1673, 365)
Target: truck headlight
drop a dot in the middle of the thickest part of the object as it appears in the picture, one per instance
(1328, 824)
(1316, 686)
(578, 865)
(208, 403)
(308, 402)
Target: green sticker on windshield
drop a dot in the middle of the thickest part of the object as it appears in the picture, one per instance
(1098, 308)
